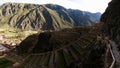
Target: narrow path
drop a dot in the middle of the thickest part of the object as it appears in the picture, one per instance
(116, 53)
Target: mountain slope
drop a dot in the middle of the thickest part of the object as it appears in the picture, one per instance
(45, 17)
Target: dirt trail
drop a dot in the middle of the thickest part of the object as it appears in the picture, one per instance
(116, 53)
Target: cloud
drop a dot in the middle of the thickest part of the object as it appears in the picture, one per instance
(86, 5)
(93, 5)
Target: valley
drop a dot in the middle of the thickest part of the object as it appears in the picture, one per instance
(51, 36)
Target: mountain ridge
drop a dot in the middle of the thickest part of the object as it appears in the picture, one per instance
(46, 17)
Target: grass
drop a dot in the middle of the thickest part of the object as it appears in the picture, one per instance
(60, 59)
(4, 63)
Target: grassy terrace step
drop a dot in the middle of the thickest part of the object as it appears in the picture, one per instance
(46, 60)
(51, 60)
(60, 60)
(77, 48)
(82, 42)
(91, 44)
(73, 53)
(87, 39)
(68, 57)
(33, 58)
(42, 60)
(36, 61)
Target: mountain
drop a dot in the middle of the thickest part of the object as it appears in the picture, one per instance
(44, 17)
(95, 15)
(111, 21)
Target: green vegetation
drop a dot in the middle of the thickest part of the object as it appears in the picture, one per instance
(4, 63)
(64, 49)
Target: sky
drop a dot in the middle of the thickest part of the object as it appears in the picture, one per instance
(85, 5)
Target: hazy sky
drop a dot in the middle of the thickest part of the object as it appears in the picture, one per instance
(85, 5)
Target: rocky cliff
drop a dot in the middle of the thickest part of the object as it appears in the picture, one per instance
(111, 20)
(44, 17)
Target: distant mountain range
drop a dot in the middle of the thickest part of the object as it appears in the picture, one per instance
(43, 17)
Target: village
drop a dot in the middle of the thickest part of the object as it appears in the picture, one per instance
(6, 44)
(11, 38)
